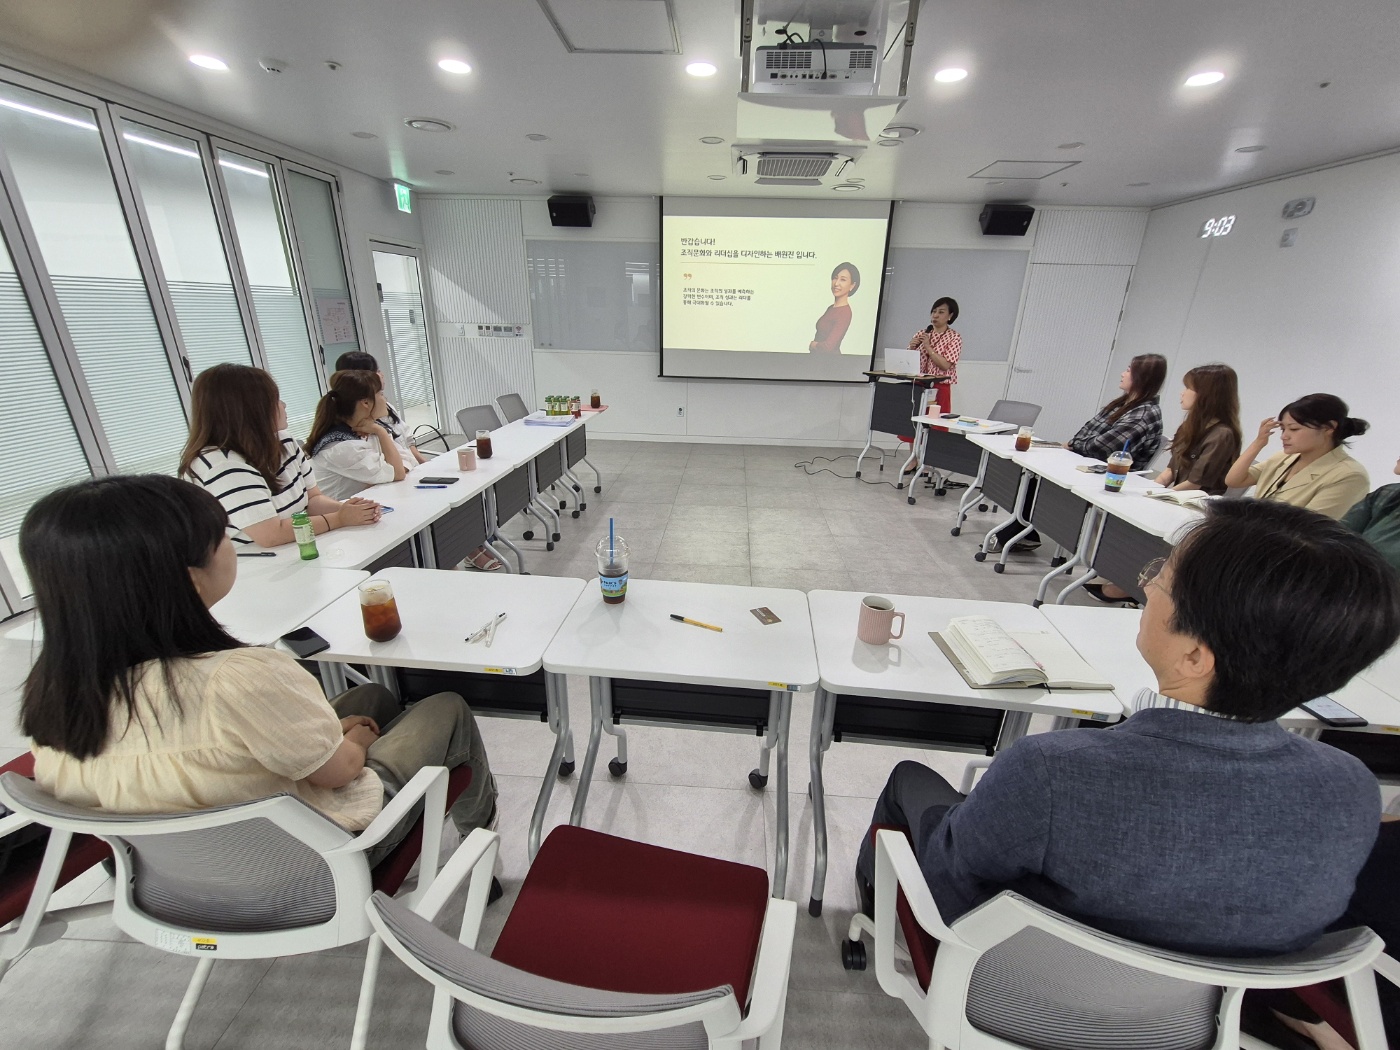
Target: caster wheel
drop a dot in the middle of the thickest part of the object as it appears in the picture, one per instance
(998, 567)
(527, 535)
(556, 537)
(566, 768)
(758, 780)
(1036, 603)
(563, 504)
(857, 473)
(597, 488)
(911, 501)
(575, 514)
(616, 768)
(1055, 563)
(853, 955)
(940, 492)
(980, 556)
(549, 546)
(583, 506)
(957, 530)
(982, 507)
(814, 908)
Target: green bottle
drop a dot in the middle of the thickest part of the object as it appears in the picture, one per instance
(305, 535)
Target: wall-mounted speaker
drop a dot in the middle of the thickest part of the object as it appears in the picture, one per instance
(570, 211)
(1006, 220)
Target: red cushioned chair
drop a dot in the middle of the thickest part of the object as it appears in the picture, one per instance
(255, 880)
(32, 866)
(611, 944)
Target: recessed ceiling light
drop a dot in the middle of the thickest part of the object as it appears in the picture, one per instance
(715, 178)
(535, 136)
(1251, 149)
(848, 187)
(582, 175)
(1070, 145)
(854, 179)
(525, 182)
(429, 124)
(712, 140)
(364, 134)
(891, 142)
(702, 69)
(998, 182)
(899, 131)
(444, 171)
(454, 65)
(950, 75)
(1136, 185)
(210, 62)
(1203, 79)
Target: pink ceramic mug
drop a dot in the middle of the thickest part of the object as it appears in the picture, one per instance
(876, 626)
(466, 458)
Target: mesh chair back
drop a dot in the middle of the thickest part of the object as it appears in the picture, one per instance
(482, 1030)
(477, 417)
(245, 875)
(1038, 991)
(1021, 413)
(512, 407)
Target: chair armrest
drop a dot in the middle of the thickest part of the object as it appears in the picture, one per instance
(770, 983)
(895, 857)
(1388, 968)
(970, 774)
(9, 825)
(399, 806)
(481, 845)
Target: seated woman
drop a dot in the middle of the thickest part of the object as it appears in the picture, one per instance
(348, 446)
(1377, 518)
(1131, 421)
(240, 451)
(1313, 470)
(359, 361)
(170, 713)
(1184, 827)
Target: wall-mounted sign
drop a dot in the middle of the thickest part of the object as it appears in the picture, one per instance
(403, 196)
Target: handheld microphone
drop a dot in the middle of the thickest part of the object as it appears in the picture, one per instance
(929, 328)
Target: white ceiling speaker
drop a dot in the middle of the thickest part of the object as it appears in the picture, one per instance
(429, 124)
(272, 65)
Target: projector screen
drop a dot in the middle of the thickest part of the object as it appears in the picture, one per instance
(771, 289)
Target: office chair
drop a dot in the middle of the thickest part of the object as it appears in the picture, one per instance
(512, 407)
(477, 417)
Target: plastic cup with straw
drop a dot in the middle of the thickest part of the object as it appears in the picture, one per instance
(1118, 465)
(612, 566)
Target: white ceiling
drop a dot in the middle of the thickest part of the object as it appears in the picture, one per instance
(1106, 73)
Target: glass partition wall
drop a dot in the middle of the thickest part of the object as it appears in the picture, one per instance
(134, 254)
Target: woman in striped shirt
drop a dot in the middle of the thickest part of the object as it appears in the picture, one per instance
(240, 451)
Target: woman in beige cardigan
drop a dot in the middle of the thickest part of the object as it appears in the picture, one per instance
(1314, 469)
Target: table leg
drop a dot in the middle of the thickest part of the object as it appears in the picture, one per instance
(1063, 722)
(1019, 514)
(780, 861)
(823, 717)
(758, 778)
(387, 677)
(596, 476)
(577, 487)
(1093, 527)
(557, 713)
(427, 552)
(505, 562)
(1013, 728)
(333, 678)
(590, 757)
(972, 495)
(618, 766)
(916, 454)
(869, 440)
(1066, 567)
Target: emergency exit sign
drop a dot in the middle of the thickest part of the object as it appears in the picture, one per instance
(404, 196)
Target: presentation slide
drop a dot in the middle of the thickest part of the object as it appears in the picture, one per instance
(770, 289)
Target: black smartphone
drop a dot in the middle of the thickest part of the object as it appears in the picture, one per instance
(305, 642)
(1327, 710)
(438, 481)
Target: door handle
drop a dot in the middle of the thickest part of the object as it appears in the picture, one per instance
(1023, 371)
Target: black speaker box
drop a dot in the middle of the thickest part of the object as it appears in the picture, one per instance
(1006, 220)
(572, 211)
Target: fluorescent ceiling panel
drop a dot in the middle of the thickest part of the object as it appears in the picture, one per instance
(1022, 169)
(618, 27)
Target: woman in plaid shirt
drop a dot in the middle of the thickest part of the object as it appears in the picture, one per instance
(1132, 420)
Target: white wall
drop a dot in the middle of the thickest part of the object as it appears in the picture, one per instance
(368, 210)
(1323, 315)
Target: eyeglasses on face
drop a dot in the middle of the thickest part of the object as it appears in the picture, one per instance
(1151, 571)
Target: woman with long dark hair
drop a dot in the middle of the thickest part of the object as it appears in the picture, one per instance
(239, 450)
(391, 421)
(1314, 469)
(348, 446)
(1209, 438)
(140, 702)
(1131, 421)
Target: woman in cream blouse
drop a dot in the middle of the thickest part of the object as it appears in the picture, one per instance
(1314, 469)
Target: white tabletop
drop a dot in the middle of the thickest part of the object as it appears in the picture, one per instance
(272, 596)
(1153, 516)
(637, 639)
(1059, 466)
(1003, 446)
(440, 608)
(1107, 638)
(958, 426)
(922, 672)
(1384, 674)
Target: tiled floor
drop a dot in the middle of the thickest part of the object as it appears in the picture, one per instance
(723, 513)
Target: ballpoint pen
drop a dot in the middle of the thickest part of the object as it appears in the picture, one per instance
(257, 554)
(486, 629)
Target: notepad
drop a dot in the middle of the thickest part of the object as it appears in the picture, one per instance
(1194, 498)
(989, 656)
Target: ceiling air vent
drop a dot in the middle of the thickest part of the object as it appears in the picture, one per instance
(795, 165)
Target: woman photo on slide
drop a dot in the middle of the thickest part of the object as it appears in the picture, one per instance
(832, 325)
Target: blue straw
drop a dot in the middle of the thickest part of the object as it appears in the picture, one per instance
(612, 543)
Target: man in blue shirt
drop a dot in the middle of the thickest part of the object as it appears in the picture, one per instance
(1197, 824)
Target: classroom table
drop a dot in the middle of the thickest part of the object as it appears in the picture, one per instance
(272, 596)
(895, 694)
(939, 443)
(1107, 638)
(1132, 530)
(439, 609)
(645, 667)
(1384, 674)
(893, 396)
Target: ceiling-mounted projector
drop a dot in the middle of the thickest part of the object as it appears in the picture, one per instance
(814, 68)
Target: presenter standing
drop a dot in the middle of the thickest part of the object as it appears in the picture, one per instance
(832, 325)
(939, 348)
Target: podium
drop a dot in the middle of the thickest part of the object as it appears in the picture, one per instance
(897, 398)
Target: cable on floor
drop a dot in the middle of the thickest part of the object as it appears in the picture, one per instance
(806, 463)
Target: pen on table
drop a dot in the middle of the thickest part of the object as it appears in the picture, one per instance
(695, 623)
(430, 486)
(488, 627)
(257, 554)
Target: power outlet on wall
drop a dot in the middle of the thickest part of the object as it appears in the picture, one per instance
(680, 410)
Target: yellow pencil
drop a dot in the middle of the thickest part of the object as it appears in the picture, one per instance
(696, 623)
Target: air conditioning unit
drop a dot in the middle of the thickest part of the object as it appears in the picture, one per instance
(792, 167)
(814, 68)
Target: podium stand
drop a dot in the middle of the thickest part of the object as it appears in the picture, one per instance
(897, 397)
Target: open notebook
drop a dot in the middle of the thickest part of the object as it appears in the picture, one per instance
(1185, 498)
(988, 655)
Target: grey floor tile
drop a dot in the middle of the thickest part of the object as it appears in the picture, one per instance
(716, 475)
(777, 479)
(629, 515)
(690, 548)
(780, 522)
(864, 1020)
(775, 552)
(709, 520)
(708, 495)
(801, 579)
(737, 575)
(764, 496)
(643, 492)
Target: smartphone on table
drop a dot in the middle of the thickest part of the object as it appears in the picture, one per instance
(305, 642)
(1328, 711)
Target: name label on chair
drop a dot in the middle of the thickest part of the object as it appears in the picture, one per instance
(169, 941)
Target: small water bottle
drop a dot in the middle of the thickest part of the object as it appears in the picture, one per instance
(305, 534)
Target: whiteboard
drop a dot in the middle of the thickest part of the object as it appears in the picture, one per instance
(986, 283)
(593, 295)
